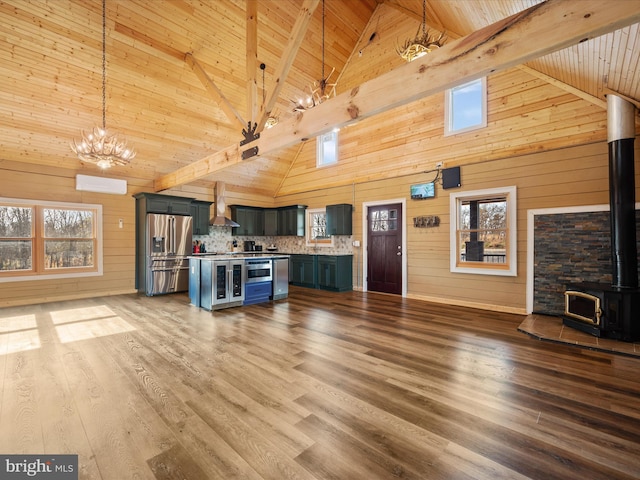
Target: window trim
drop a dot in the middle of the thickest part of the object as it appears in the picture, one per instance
(39, 242)
(448, 113)
(321, 146)
(322, 243)
(511, 268)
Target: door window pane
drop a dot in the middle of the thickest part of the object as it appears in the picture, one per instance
(384, 220)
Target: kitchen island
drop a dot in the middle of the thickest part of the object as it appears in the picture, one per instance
(224, 280)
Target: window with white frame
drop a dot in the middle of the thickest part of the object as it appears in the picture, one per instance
(483, 232)
(316, 234)
(46, 239)
(466, 107)
(327, 149)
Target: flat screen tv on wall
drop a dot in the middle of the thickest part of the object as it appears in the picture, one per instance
(423, 190)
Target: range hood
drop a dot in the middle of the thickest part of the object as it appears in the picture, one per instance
(220, 220)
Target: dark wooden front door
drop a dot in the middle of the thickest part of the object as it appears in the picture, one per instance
(384, 253)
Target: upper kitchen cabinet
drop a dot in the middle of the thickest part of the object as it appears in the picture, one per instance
(291, 220)
(168, 204)
(339, 219)
(250, 219)
(271, 222)
(201, 213)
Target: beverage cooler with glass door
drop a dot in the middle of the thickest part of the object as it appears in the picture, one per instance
(221, 283)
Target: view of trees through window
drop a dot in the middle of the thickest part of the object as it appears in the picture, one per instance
(318, 225)
(483, 230)
(37, 238)
(16, 242)
(316, 228)
(68, 238)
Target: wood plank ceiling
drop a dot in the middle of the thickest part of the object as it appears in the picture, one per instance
(161, 52)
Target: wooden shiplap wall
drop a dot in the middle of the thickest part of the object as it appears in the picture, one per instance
(24, 181)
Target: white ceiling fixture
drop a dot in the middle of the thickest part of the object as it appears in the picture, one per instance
(98, 146)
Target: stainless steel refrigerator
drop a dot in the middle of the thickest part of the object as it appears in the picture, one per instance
(168, 243)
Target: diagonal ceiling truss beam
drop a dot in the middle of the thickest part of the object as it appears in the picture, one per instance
(215, 93)
(288, 56)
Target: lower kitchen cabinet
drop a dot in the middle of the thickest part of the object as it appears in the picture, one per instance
(327, 272)
(302, 270)
(335, 272)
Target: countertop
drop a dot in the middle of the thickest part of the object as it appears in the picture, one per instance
(231, 255)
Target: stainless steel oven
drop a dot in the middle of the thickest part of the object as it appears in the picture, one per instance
(258, 270)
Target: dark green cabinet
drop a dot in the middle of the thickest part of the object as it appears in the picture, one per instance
(201, 213)
(250, 219)
(271, 222)
(335, 272)
(339, 219)
(157, 203)
(302, 270)
(326, 272)
(291, 220)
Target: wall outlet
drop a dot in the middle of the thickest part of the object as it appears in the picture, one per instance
(356, 243)
(440, 165)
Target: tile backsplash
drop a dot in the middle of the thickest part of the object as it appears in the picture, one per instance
(220, 240)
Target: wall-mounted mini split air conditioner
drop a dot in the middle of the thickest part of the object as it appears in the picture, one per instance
(88, 183)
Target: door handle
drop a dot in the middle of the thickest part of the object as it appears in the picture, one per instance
(399, 254)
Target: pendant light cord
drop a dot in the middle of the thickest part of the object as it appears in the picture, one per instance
(322, 78)
(104, 64)
(424, 16)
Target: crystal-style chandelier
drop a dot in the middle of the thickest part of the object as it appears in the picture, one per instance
(98, 146)
(320, 90)
(423, 42)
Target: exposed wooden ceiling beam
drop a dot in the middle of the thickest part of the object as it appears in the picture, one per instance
(286, 59)
(252, 60)
(534, 32)
(213, 90)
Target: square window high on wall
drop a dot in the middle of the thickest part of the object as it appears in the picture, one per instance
(466, 107)
(327, 149)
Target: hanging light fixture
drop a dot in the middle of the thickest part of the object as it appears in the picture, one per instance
(423, 42)
(98, 146)
(321, 90)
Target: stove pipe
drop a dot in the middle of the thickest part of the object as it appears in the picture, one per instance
(621, 134)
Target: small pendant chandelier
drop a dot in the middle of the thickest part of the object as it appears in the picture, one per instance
(321, 90)
(98, 146)
(422, 43)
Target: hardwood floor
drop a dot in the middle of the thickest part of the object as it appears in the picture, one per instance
(319, 386)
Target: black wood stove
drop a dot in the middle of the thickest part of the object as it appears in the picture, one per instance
(603, 310)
